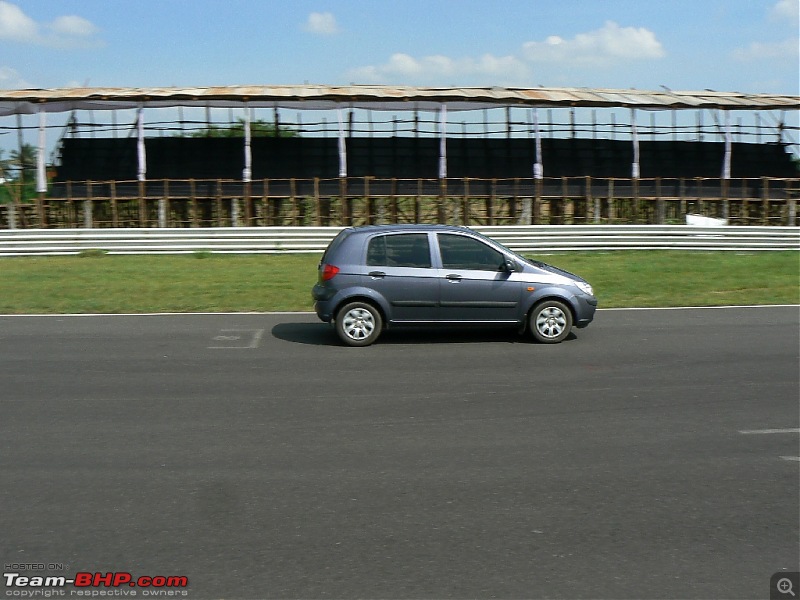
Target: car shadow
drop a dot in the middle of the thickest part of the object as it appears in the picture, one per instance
(315, 334)
(450, 335)
(322, 334)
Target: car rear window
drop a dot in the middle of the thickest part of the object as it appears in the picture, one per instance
(400, 250)
(335, 243)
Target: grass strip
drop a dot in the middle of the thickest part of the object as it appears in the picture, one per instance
(98, 283)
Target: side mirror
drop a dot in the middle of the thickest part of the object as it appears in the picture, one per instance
(509, 266)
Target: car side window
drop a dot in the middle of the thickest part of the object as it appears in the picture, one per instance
(401, 250)
(461, 252)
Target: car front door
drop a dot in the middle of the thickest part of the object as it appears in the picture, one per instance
(399, 268)
(473, 284)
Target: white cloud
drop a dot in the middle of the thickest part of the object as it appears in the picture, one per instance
(768, 50)
(72, 25)
(321, 24)
(786, 9)
(63, 32)
(15, 25)
(439, 68)
(10, 80)
(603, 47)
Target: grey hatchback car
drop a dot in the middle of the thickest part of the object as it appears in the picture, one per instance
(380, 276)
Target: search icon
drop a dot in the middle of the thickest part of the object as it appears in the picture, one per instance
(784, 586)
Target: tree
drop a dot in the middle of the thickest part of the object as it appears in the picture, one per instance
(258, 128)
(4, 174)
(4, 165)
(24, 161)
(18, 174)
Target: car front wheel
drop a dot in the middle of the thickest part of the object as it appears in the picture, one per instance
(550, 322)
(358, 324)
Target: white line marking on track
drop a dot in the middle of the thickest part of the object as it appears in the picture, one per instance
(767, 431)
(165, 314)
(255, 339)
(794, 458)
(704, 307)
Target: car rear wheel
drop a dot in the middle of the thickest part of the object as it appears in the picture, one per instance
(550, 321)
(358, 324)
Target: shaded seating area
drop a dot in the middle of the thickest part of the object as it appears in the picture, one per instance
(104, 159)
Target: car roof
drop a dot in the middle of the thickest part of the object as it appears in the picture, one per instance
(406, 227)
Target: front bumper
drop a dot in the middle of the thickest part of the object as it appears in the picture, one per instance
(585, 308)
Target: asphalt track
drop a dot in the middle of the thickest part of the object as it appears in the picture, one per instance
(257, 457)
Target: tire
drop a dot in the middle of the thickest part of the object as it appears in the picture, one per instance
(550, 322)
(358, 324)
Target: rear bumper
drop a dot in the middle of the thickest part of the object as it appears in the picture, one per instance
(323, 304)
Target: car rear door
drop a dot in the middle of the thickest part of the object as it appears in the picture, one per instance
(399, 268)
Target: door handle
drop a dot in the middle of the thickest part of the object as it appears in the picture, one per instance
(454, 277)
(377, 274)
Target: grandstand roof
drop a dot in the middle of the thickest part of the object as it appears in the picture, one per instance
(376, 97)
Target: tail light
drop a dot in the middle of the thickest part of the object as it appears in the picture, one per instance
(329, 272)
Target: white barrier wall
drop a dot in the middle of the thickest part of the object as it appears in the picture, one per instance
(255, 240)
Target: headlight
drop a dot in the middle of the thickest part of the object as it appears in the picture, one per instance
(584, 287)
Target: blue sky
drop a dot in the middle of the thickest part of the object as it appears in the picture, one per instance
(725, 45)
